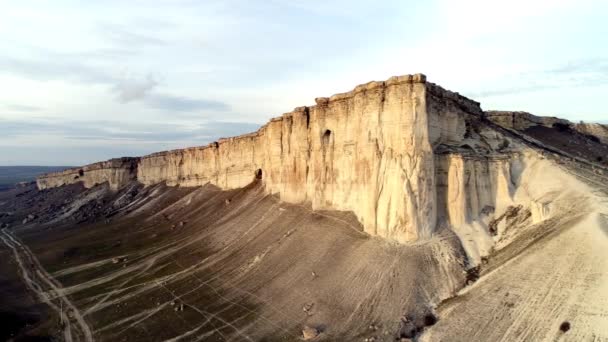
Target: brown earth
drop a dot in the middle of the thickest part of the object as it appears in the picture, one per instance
(206, 264)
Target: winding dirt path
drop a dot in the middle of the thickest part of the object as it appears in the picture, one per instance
(38, 280)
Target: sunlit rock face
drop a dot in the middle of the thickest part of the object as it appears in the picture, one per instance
(369, 151)
(117, 172)
(372, 151)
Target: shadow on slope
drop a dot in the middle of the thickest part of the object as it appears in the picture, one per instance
(164, 263)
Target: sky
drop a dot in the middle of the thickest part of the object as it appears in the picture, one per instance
(87, 81)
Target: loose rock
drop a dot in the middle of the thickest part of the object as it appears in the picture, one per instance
(308, 333)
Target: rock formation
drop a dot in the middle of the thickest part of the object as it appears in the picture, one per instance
(522, 120)
(369, 151)
(593, 129)
(117, 172)
(500, 218)
(397, 153)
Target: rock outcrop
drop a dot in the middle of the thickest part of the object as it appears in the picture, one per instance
(597, 130)
(475, 199)
(522, 120)
(370, 151)
(117, 172)
(405, 155)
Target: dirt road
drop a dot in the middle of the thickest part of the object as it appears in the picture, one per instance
(48, 290)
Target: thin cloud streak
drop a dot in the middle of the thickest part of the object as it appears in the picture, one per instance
(574, 74)
(121, 131)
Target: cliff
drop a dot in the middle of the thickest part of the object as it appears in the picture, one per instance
(368, 150)
(489, 209)
(117, 172)
(396, 153)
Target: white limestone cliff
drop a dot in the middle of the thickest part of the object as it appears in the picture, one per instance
(405, 155)
(369, 151)
(117, 172)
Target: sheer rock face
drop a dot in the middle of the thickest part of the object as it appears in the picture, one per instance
(469, 187)
(117, 172)
(370, 151)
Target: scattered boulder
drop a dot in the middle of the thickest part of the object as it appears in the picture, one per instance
(407, 328)
(119, 259)
(307, 308)
(472, 274)
(309, 333)
(564, 327)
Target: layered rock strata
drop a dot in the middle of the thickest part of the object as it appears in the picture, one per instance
(117, 172)
(370, 151)
(522, 120)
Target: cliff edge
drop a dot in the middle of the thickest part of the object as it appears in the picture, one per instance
(399, 154)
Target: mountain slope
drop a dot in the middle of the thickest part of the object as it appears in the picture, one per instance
(396, 211)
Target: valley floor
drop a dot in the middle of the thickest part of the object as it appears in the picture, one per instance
(200, 264)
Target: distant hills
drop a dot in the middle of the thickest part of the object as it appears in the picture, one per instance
(10, 175)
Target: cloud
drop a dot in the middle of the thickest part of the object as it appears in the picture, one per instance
(184, 104)
(593, 65)
(54, 67)
(123, 37)
(576, 73)
(22, 108)
(131, 89)
(126, 88)
(104, 130)
(504, 91)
